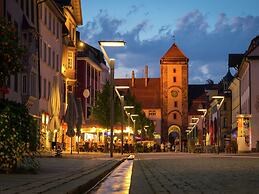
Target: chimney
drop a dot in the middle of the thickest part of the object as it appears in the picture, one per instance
(133, 79)
(146, 75)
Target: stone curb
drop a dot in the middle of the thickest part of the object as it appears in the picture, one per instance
(83, 188)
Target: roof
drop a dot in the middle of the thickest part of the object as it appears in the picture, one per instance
(148, 97)
(197, 95)
(76, 4)
(175, 54)
(235, 60)
(91, 52)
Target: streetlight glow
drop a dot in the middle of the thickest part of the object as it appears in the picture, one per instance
(111, 63)
(118, 43)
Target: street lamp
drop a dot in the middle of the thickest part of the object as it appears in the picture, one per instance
(204, 110)
(111, 63)
(221, 98)
(134, 127)
(117, 88)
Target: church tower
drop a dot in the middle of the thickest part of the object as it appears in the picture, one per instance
(174, 96)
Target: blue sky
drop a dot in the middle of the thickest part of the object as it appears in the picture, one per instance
(206, 31)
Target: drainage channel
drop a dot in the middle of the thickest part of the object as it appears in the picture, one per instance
(118, 181)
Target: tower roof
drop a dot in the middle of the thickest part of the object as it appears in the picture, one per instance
(174, 53)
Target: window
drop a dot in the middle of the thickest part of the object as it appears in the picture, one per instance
(57, 30)
(53, 59)
(40, 48)
(44, 88)
(175, 104)
(174, 79)
(174, 70)
(32, 11)
(22, 4)
(16, 82)
(57, 63)
(50, 20)
(45, 52)
(33, 84)
(152, 113)
(24, 84)
(48, 90)
(9, 17)
(17, 29)
(45, 15)
(40, 9)
(27, 8)
(70, 60)
(54, 25)
(174, 115)
(49, 56)
(225, 106)
(8, 81)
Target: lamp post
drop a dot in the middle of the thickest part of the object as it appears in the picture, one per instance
(191, 127)
(134, 127)
(122, 111)
(111, 63)
(203, 125)
(221, 98)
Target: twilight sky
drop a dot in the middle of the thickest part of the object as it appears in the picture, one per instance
(205, 30)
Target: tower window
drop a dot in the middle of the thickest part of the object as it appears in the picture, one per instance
(174, 70)
(174, 79)
(175, 104)
(174, 115)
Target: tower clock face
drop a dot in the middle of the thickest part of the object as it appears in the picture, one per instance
(174, 93)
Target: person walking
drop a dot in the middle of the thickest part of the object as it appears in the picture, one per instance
(162, 146)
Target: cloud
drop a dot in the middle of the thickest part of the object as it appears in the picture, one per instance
(204, 69)
(133, 10)
(206, 46)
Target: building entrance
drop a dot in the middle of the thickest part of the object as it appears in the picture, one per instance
(174, 137)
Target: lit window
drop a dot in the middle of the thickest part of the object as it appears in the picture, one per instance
(24, 84)
(70, 60)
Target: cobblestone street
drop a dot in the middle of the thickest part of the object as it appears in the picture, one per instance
(194, 173)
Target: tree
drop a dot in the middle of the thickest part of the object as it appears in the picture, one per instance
(18, 137)
(11, 52)
(141, 120)
(101, 110)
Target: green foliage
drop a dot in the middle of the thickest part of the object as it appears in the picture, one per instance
(101, 110)
(11, 52)
(141, 120)
(18, 137)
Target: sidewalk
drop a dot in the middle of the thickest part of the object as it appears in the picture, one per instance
(69, 174)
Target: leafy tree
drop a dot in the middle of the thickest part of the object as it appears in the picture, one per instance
(11, 52)
(141, 120)
(18, 137)
(101, 110)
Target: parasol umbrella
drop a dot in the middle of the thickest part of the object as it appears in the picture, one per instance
(71, 117)
(79, 119)
(54, 106)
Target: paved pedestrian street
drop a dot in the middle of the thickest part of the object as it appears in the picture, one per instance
(194, 173)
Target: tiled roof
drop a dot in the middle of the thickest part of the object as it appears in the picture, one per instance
(148, 97)
(174, 53)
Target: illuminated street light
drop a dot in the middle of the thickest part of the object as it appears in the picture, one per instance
(117, 88)
(111, 63)
(221, 98)
(204, 110)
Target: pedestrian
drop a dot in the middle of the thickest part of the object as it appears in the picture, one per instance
(168, 146)
(162, 146)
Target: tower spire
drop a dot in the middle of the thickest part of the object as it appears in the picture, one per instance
(174, 37)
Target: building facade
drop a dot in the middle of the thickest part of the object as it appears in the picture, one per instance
(23, 87)
(174, 94)
(50, 21)
(249, 94)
